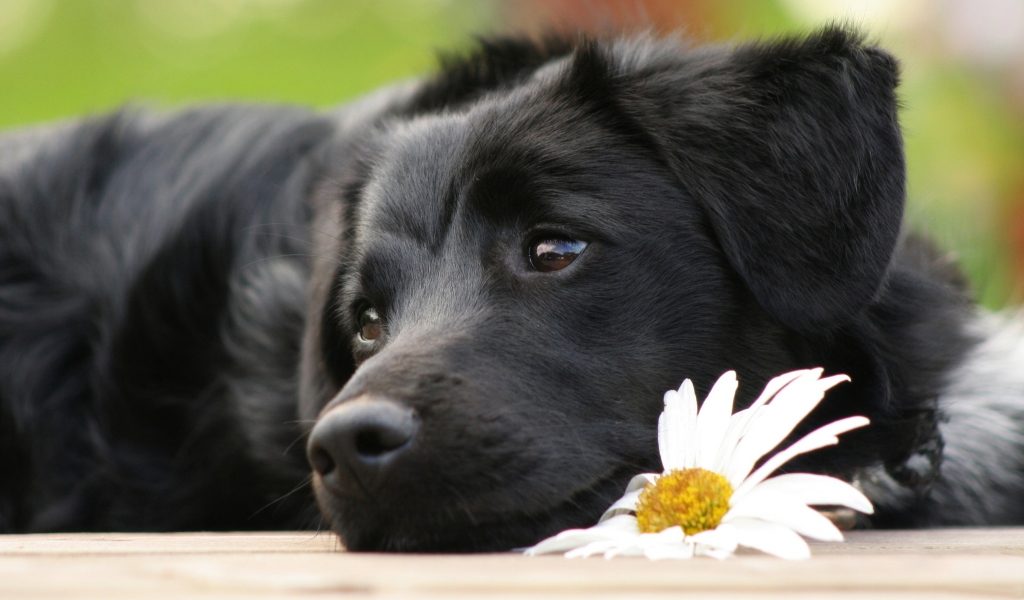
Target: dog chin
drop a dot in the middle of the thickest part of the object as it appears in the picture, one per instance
(443, 525)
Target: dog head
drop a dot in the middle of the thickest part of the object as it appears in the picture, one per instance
(522, 254)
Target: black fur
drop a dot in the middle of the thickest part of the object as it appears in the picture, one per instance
(151, 302)
(742, 208)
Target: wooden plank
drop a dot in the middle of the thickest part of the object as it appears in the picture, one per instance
(954, 563)
(168, 543)
(1007, 540)
(269, 574)
(999, 540)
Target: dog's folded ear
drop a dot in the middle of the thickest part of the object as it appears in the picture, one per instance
(793, 150)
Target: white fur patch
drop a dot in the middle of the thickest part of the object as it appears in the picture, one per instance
(982, 426)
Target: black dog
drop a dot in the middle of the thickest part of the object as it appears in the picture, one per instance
(478, 287)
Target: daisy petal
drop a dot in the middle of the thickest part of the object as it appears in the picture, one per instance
(765, 423)
(598, 547)
(627, 503)
(676, 427)
(818, 490)
(639, 482)
(664, 551)
(565, 541)
(625, 523)
(777, 420)
(688, 442)
(771, 538)
(630, 549)
(713, 419)
(739, 420)
(672, 535)
(721, 539)
(671, 418)
(777, 383)
(668, 539)
(819, 438)
(772, 390)
(712, 553)
(616, 530)
(774, 507)
(622, 506)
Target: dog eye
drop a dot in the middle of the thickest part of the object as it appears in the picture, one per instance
(369, 324)
(555, 254)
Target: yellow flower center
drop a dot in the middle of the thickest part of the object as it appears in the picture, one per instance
(694, 499)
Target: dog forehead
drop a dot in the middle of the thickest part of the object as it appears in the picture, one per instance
(412, 181)
(428, 164)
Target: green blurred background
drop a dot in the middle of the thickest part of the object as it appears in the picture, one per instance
(962, 93)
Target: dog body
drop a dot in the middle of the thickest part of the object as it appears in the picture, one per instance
(153, 297)
(478, 287)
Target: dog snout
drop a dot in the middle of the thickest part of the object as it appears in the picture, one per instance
(354, 445)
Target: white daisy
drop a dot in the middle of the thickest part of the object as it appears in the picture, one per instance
(707, 500)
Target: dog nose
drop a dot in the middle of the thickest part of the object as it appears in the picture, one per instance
(360, 439)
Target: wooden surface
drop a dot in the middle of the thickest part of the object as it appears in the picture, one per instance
(951, 563)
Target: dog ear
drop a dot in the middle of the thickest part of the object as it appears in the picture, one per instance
(794, 151)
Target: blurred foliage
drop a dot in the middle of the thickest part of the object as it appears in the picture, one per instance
(962, 94)
(965, 155)
(82, 56)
